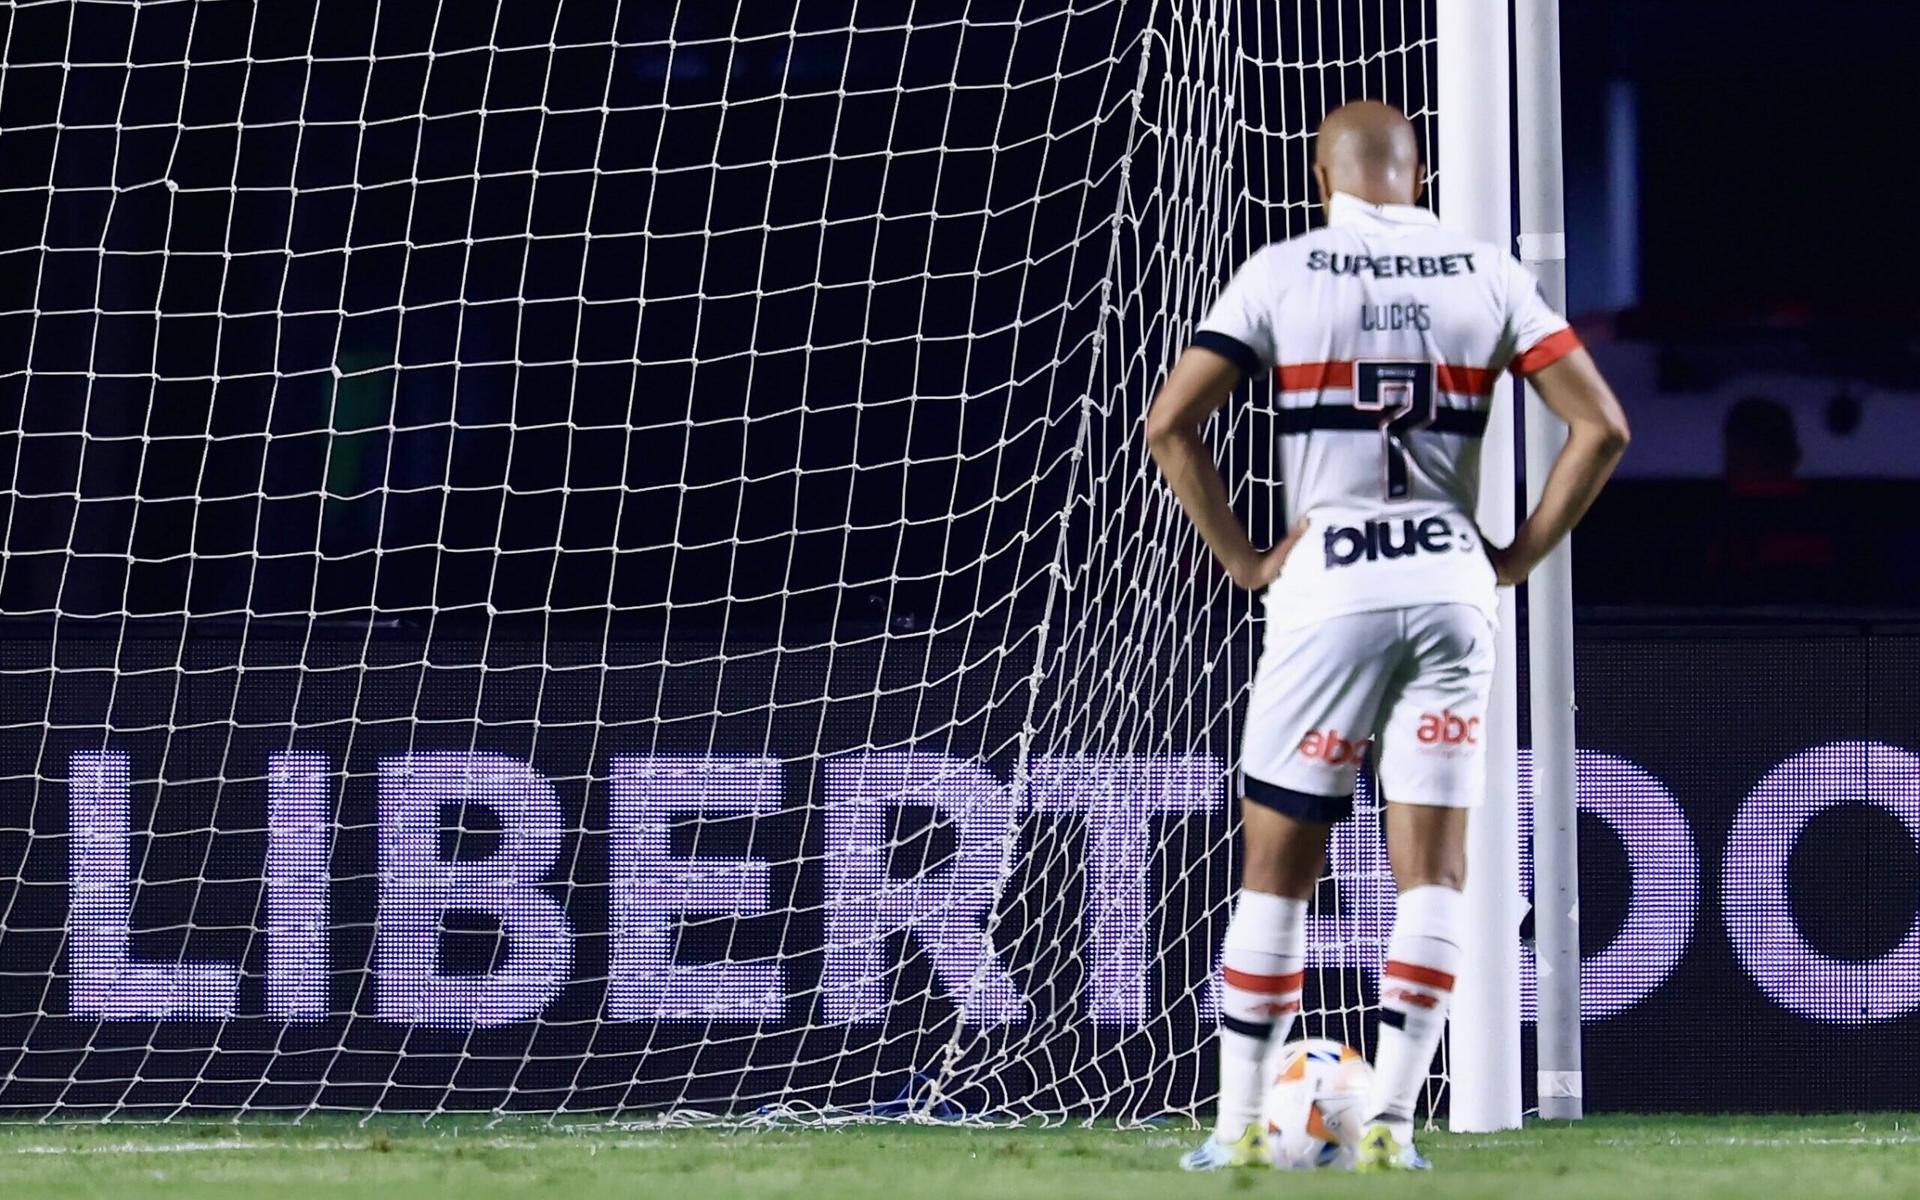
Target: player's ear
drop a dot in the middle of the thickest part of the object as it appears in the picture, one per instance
(1419, 182)
(1324, 179)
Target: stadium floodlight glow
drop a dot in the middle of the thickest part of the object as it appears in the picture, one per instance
(1759, 911)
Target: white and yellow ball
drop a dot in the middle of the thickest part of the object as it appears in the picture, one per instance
(1315, 1104)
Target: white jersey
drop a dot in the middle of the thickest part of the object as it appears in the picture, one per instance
(1385, 334)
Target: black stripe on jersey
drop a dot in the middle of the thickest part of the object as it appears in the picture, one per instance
(1463, 421)
(1232, 349)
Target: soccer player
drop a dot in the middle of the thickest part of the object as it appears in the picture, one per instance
(1385, 334)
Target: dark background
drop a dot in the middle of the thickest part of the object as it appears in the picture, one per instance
(1773, 252)
(672, 335)
(854, 392)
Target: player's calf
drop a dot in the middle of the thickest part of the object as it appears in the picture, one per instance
(1422, 956)
(1261, 968)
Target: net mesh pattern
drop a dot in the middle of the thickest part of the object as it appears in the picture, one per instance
(599, 557)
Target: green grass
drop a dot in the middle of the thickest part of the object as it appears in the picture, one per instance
(1635, 1158)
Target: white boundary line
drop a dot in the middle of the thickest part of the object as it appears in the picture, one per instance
(1891, 1139)
(593, 1144)
(1476, 1142)
(322, 1145)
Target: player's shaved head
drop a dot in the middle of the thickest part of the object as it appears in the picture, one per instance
(1368, 149)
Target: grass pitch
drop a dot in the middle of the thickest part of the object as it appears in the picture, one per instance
(1639, 1158)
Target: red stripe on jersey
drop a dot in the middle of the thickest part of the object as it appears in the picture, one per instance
(1464, 381)
(1546, 352)
(1318, 377)
(1424, 976)
(1246, 981)
(1313, 377)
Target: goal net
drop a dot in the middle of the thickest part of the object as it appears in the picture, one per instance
(599, 557)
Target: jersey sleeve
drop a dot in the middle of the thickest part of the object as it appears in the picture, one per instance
(1538, 335)
(1239, 326)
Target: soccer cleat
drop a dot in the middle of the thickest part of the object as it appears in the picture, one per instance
(1216, 1155)
(1380, 1150)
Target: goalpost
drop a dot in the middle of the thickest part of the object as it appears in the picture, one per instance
(599, 557)
(1556, 910)
(1476, 190)
(1475, 41)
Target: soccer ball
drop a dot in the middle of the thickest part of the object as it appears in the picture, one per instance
(1315, 1104)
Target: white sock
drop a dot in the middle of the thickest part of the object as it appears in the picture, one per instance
(1260, 963)
(1422, 957)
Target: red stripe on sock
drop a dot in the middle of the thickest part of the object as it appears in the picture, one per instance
(1424, 976)
(1246, 981)
(1411, 998)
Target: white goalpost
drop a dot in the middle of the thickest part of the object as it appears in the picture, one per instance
(1477, 126)
(599, 558)
(1476, 195)
(1556, 909)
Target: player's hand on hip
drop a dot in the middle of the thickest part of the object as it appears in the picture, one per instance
(1265, 565)
(1510, 564)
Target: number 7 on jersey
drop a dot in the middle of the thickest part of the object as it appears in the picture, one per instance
(1402, 393)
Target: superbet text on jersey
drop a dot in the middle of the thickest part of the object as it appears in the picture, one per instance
(1385, 334)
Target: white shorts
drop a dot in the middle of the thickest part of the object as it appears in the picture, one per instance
(1409, 682)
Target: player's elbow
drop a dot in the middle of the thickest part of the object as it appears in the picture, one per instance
(1601, 442)
(1603, 426)
(1613, 434)
(1164, 426)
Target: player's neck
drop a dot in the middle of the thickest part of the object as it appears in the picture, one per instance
(1378, 192)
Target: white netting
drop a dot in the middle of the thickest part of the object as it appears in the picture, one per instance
(599, 555)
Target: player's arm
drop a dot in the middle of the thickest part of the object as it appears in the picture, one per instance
(1199, 384)
(1573, 389)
